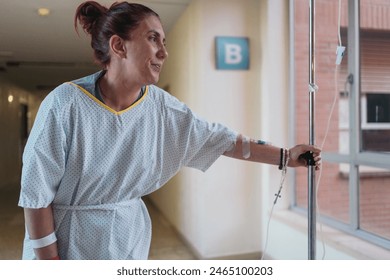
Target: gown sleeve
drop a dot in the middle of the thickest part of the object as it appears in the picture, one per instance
(198, 143)
(43, 157)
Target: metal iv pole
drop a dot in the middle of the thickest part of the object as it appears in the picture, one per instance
(311, 169)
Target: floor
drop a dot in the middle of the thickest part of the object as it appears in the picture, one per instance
(12, 226)
(166, 243)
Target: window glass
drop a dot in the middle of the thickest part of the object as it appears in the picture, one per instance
(331, 104)
(332, 191)
(374, 201)
(331, 101)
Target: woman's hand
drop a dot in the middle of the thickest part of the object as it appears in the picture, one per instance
(295, 152)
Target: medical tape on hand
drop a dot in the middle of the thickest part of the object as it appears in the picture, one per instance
(246, 147)
(44, 241)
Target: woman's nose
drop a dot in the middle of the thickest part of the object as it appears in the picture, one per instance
(162, 53)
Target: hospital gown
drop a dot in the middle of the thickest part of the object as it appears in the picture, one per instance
(94, 165)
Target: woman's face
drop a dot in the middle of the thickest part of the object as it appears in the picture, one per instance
(146, 52)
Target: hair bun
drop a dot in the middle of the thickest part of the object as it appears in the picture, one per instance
(87, 15)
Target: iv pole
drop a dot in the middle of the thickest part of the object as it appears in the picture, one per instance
(311, 169)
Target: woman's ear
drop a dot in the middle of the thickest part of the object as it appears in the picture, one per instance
(117, 46)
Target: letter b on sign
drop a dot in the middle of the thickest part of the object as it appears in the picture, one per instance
(232, 53)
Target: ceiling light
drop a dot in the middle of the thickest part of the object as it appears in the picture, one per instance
(10, 98)
(43, 12)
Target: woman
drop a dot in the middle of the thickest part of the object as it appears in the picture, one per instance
(102, 142)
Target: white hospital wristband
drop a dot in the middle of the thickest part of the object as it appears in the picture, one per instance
(44, 241)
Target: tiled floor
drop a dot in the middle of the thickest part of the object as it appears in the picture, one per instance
(166, 244)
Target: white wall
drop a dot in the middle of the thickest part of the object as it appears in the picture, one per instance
(10, 125)
(220, 212)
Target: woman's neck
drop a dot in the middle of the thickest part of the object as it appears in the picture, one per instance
(118, 94)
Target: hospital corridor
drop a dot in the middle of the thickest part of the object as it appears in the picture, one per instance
(220, 72)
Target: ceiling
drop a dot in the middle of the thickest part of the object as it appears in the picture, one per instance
(41, 52)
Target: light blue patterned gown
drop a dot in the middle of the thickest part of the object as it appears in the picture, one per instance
(94, 164)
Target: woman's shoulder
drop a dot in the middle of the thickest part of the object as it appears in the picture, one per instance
(61, 95)
(164, 97)
(67, 92)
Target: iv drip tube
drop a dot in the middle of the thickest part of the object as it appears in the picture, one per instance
(311, 169)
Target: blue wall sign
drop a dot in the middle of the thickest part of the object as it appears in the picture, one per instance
(232, 53)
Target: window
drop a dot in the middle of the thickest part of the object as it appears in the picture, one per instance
(375, 122)
(377, 109)
(354, 193)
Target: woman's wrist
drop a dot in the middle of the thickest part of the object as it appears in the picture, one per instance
(47, 253)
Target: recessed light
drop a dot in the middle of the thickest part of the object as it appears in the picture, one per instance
(43, 12)
(10, 98)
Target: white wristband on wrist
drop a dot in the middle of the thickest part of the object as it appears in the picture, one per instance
(44, 241)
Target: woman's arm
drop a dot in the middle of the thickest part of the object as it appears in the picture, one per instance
(40, 223)
(251, 150)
